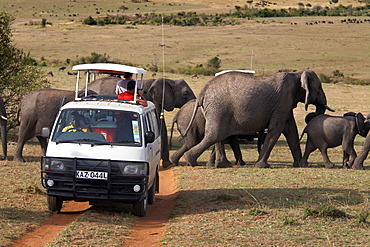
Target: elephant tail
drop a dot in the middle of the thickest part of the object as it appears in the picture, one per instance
(304, 131)
(18, 115)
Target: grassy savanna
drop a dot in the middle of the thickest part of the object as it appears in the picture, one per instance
(263, 44)
(281, 206)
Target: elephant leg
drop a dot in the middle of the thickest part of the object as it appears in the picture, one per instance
(212, 158)
(18, 155)
(261, 139)
(209, 139)
(43, 143)
(175, 157)
(345, 160)
(221, 160)
(4, 138)
(324, 153)
(291, 135)
(165, 154)
(276, 127)
(234, 144)
(358, 163)
(308, 150)
(26, 132)
(349, 155)
(270, 141)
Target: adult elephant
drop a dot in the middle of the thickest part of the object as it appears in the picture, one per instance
(195, 135)
(3, 126)
(39, 109)
(234, 103)
(176, 94)
(358, 164)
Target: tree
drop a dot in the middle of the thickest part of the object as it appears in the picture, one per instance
(19, 73)
(214, 63)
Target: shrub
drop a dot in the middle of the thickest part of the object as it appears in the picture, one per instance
(90, 21)
(324, 210)
(362, 218)
(214, 63)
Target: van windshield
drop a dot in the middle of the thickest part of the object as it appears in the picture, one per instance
(98, 127)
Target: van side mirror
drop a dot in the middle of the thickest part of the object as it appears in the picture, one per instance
(149, 137)
(45, 132)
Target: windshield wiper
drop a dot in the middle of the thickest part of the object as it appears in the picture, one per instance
(87, 140)
(126, 142)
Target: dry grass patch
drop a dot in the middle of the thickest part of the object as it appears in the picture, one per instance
(22, 200)
(97, 227)
(246, 206)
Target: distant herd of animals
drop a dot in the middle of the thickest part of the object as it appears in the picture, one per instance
(217, 115)
(345, 21)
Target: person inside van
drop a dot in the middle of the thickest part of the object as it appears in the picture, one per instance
(121, 86)
(129, 94)
(75, 124)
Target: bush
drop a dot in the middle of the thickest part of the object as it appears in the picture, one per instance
(90, 21)
(19, 73)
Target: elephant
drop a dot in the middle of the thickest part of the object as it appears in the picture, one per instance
(39, 109)
(325, 131)
(234, 103)
(3, 127)
(195, 135)
(358, 164)
(177, 93)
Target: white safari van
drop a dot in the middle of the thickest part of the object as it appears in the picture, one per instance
(114, 154)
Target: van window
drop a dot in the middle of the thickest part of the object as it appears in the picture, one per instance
(155, 123)
(98, 127)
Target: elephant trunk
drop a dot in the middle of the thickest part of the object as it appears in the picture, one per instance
(320, 109)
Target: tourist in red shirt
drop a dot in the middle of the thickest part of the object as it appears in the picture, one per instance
(129, 94)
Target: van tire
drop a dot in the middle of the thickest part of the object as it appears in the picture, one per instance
(55, 203)
(152, 190)
(139, 207)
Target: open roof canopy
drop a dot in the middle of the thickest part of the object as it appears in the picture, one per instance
(239, 70)
(108, 68)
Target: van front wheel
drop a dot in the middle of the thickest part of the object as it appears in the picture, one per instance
(152, 190)
(55, 203)
(139, 207)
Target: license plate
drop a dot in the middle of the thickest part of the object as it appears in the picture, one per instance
(92, 175)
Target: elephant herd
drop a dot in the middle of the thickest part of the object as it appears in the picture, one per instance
(230, 104)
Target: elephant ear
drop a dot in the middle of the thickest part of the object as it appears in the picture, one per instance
(360, 123)
(304, 84)
(155, 93)
(312, 84)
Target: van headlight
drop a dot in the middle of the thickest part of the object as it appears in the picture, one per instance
(133, 169)
(50, 164)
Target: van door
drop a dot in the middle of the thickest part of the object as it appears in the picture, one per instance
(152, 149)
(157, 139)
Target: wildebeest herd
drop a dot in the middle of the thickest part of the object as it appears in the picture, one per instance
(219, 114)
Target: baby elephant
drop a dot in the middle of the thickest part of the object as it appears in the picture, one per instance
(325, 131)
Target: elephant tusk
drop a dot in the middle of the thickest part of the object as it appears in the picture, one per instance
(4, 118)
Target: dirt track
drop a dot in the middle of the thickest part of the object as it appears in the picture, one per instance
(148, 231)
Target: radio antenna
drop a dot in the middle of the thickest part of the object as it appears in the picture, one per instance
(252, 60)
(163, 76)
